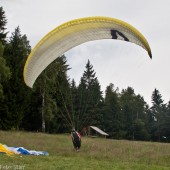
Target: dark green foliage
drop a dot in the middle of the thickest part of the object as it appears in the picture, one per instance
(124, 114)
(133, 110)
(4, 73)
(88, 110)
(3, 22)
(4, 69)
(160, 118)
(62, 120)
(56, 104)
(165, 126)
(140, 131)
(17, 94)
(112, 112)
(49, 106)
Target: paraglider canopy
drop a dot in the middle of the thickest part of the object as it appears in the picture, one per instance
(76, 32)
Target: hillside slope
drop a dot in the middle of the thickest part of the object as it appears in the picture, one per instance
(95, 154)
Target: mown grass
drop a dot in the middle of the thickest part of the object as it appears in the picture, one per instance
(95, 154)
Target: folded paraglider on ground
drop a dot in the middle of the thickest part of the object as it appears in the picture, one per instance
(19, 150)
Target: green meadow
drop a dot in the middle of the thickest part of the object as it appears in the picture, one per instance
(95, 153)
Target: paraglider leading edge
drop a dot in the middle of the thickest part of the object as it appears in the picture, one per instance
(76, 32)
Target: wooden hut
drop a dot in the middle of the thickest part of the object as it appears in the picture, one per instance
(94, 131)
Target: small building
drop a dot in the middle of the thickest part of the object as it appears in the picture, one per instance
(94, 131)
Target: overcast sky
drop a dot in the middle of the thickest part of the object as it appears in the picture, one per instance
(121, 63)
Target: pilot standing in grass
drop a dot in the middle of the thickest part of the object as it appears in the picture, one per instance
(76, 139)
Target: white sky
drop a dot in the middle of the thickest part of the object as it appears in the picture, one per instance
(121, 63)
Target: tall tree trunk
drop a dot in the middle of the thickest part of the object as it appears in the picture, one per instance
(43, 111)
(43, 106)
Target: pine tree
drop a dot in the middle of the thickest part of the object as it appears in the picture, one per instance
(112, 117)
(5, 75)
(3, 22)
(74, 103)
(158, 113)
(133, 110)
(17, 94)
(5, 71)
(62, 96)
(52, 102)
(90, 99)
(166, 125)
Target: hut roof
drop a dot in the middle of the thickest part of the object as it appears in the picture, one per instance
(99, 131)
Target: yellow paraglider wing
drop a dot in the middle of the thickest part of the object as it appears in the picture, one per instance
(74, 33)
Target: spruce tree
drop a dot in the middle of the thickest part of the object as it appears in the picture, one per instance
(3, 22)
(55, 97)
(90, 98)
(112, 116)
(74, 103)
(62, 95)
(158, 114)
(17, 94)
(5, 71)
(166, 125)
(5, 75)
(133, 110)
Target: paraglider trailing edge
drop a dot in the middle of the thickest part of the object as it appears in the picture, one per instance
(74, 33)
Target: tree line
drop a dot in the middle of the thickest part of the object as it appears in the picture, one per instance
(56, 103)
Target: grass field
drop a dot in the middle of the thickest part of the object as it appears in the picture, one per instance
(95, 154)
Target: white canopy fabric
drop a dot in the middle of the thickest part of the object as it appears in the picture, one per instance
(74, 33)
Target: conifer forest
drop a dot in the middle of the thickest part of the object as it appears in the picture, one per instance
(56, 103)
